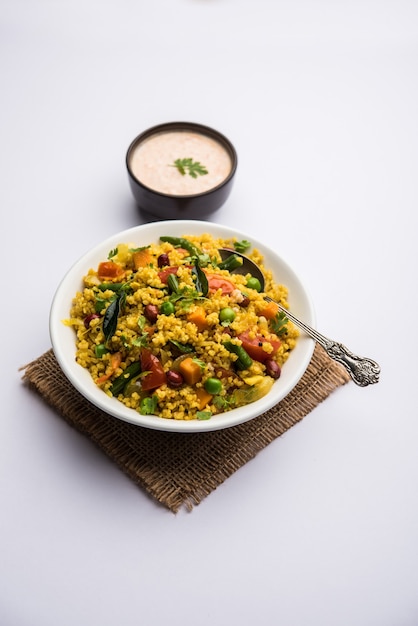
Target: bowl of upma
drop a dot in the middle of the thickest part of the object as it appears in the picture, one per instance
(155, 327)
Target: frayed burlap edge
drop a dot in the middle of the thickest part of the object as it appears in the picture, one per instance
(181, 469)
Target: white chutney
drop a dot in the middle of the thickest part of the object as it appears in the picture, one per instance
(152, 162)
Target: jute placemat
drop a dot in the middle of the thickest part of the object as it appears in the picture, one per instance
(180, 469)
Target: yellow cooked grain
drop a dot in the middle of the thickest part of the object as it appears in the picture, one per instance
(134, 331)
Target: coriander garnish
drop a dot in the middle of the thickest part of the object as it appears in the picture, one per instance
(194, 168)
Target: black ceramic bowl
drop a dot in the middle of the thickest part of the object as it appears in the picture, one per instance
(170, 191)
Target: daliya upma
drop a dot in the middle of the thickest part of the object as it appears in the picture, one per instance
(170, 329)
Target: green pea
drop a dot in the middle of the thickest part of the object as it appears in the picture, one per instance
(100, 350)
(213, 386)
(254, 283)
(167, 308)
(227, 315)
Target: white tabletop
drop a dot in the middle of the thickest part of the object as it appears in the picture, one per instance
(320, 100)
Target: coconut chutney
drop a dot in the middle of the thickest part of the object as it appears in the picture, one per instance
(153, 162)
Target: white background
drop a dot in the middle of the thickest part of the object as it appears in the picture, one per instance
(320, 99)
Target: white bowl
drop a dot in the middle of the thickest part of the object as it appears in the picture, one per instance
(64, 345)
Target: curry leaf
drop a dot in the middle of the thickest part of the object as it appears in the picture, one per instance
(110, 319)
(201, 281)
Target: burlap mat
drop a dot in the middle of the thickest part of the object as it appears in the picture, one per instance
(180, 469)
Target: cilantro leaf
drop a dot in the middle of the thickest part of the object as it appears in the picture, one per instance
(193, 168)
(203, 415)
(279, 322)
(148, 405)
(242, 246)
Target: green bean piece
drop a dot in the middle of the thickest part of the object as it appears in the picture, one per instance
(231, 263)
(181, 242)
(121, 381)
(173, 283)
(111, 286)
(181, 348)
(244, 360)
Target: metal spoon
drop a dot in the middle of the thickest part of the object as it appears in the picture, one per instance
(362, 370)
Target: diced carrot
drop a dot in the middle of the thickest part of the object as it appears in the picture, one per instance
(198, 317)
(269, 311)
(109, 270)
(190, 370)
(115, 361)
(203, 397)
(141, 258)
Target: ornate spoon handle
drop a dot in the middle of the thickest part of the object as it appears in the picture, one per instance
(362, 370)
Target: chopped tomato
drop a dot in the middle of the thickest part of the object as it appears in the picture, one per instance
(109, 270)
(171, 269)
(183, 251)
(165, 273)
(219, 282)
(254, 346)
(155, 376)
